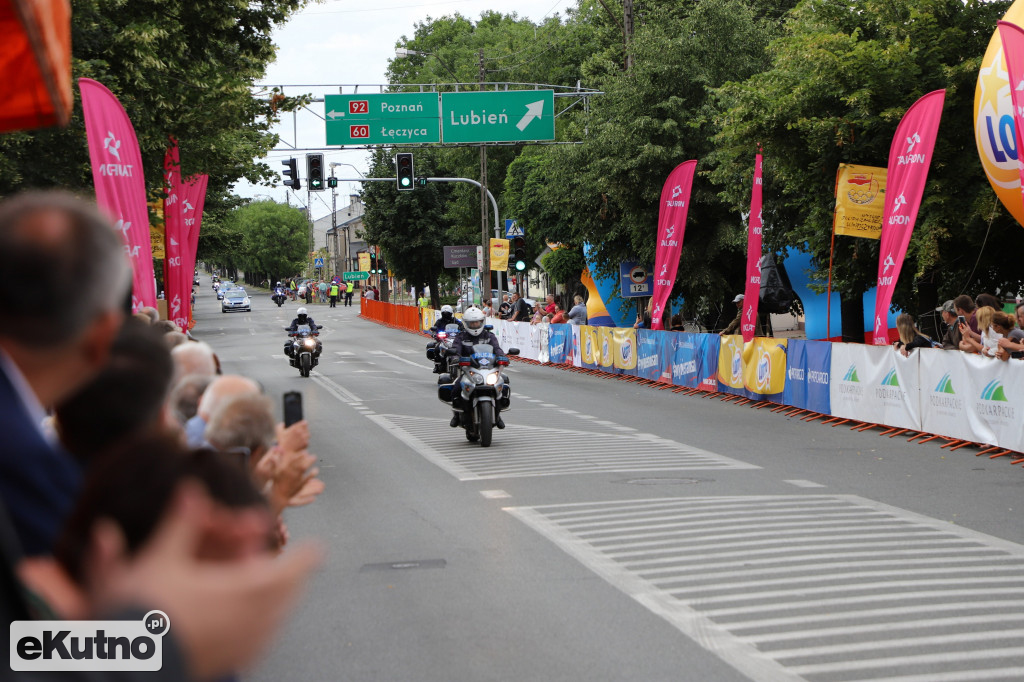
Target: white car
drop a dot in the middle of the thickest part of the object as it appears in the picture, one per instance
(235, 299)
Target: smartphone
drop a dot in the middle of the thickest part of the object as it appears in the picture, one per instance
(292, 407)
(961, 319)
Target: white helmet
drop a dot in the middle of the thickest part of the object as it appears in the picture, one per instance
(474, 319)
(300, 312)
(447, 309)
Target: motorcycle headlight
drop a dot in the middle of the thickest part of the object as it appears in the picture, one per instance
(492, 379)
(310, 343)
(477, 379)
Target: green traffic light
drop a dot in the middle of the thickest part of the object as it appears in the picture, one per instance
(520, 265)
(406, 182)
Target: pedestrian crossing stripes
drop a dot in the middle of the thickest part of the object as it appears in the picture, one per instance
(519, 450)
(820, 588)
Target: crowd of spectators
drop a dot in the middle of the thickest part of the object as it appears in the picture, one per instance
(134, 475)
(972, 325)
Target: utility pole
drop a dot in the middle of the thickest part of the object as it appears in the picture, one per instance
(484, 276)
(334, 217)
(627, 30)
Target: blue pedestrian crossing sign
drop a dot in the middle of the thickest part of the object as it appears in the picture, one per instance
(513, 229)
(318, 263)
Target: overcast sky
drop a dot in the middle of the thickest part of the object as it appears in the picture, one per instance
(344, 42)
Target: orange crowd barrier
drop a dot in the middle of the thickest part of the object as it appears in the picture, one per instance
(398, 316)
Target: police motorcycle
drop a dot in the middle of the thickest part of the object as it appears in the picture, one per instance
(278, 296)
(479, 391)
(446, 359)
(304, 351)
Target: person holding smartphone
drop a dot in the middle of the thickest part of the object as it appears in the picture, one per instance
(967, 323)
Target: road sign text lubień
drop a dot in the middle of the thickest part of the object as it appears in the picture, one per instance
(354, 276)
(499, 116)
(394, 118)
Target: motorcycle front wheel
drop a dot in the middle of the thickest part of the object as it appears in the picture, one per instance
(304, 365)
(486, 424)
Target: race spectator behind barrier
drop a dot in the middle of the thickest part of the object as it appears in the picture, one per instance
(127, 398)
(734, 326)
(184, 399)
(1013, 343)
(242, 424)
(549, 304)
(193, 358)
(215, 395)
(505, 309)
(488, 309)
(520, 308)
(51, 345)
(578, 313)
(676, 324)
(910, 336)
(989, 300)
(988, 342)
(559, 317)
(966, 309)
(951, 337)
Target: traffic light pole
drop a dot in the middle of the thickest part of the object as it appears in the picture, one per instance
(497, 228)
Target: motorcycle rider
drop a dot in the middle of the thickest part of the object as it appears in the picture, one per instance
(447, 318)
(473, 334)
(301, 318)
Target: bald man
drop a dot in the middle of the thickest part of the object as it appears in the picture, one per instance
(219, 391)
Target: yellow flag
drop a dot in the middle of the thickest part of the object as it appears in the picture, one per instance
(156, 242)
(364, 262)
(499, 254)
(860, 200)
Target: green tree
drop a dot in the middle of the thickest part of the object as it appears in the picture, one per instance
(273, 240)
(841, 79)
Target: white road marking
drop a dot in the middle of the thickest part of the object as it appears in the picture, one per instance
(408, 362)
(495, 494)
(800, 483)
(338, 391)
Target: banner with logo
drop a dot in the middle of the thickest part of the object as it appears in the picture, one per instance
(364, 261)
(560, 344)
(590, 347)
(752, 292)
(909, 158)
(177, 287)
(194, 191)
(575, 350)
(1013, 51)
(860, 201)
(623, 349)
(808, 367)
(764, 369)
(675, 202)
(120, 182)
(499, 255)
(651, 360)
(730, 365)
(971, 397)
(694, 359)
(606, 341)
(875, 384)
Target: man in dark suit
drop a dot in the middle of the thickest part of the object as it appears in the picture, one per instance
(53, 340)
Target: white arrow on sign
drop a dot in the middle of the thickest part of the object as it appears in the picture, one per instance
(533, 110)
(334, 114)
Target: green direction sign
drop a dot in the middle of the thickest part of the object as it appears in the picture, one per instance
(354, 276)
(503, 116)
(395, 118)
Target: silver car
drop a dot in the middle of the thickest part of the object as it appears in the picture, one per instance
(235, 299)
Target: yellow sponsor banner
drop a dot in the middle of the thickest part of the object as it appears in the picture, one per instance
(764, 366)
(591, 349)
(156, 242)
(860, 200)
(364, 262)
(730, 361)
(625, 348)
(606, 339)
(499, 254)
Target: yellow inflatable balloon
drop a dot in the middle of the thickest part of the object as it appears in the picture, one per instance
(994, 129)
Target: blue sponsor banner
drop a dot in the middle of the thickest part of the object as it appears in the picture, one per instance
(708, 346)
(807, 375)
(686, 361)
(559, 340)
(650, 356)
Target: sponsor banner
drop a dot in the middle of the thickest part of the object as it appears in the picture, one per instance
(674, 204)
(752, 291)
(1013, 51)
(650, 354)
(177, 283)
(607, 341)
(973, 398)
(875, 384)
(590, 347)
(764, 368)
(364, 261)
(518, 335)
(499, 255)
(694, 359)
(560, 344)
(909, 159)
(624, 350)
(577, 354)
(808, 367)
(730, 365)
(120, 182)
(860, 199)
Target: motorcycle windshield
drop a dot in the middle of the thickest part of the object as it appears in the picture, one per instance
(452, 329)
(303, 330)
(483, 355)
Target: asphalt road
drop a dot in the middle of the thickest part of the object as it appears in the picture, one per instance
(616, 532)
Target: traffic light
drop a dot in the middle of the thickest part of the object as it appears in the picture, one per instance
(421, 182)
(332, 182)
(519, 252)
(406, 177)
(315, 171)
(291, 175)
(373, 264)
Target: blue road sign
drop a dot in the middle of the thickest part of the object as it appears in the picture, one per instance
(513, 229)
(635, 280)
